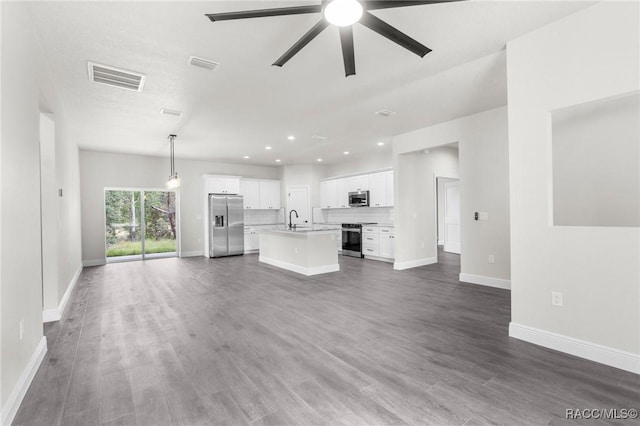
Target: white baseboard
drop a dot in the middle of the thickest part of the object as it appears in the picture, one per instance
(488, 281)
(316, 270)
(10, 408)
(440, 242)
(94, 262)
(381, 259)
(602, 354)
(191, 253)
(55, 314)
(399, 266)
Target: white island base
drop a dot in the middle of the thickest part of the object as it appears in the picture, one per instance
(307, 252)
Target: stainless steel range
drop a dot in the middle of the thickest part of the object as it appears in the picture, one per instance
(352, 238)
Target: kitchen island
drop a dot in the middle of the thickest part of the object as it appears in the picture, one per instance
(308, 250)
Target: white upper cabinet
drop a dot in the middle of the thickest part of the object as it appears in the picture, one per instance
(381, 192)
(359, 183)
(378, 194)
(328, 194)
(269, 194)
(223, 185)
(260, 194)
(389, 182)
(334, 193)
(250, 190)
(342, 189)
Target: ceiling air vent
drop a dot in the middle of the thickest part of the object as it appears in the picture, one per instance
(319, 138)
(203, 63)
(116, 77)
(167, 111)
(386, 113)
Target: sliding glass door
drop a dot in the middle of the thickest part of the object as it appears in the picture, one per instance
(140, 224)
(160, 223)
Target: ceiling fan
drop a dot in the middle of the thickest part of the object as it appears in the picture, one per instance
(343, 14)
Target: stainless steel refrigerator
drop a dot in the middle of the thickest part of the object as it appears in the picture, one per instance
(226, 225)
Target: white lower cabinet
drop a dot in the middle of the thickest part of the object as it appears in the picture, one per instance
(251, 241)
(378, 242)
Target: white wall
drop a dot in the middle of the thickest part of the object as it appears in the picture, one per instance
(587, 190)
(483, 161)
(26, 90)
(380, 158)
(589, 55)
(100, 170)
(302, 175)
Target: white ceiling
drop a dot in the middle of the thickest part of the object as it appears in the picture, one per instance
(246, 104)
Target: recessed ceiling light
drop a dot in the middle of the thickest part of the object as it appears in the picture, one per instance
(246, 157)
(278, 160)
(291, 138)
(203, 63)
(174, 112)
(267, 148)
(380, 143)
(346, 153)
(386, 113)
(319, 160)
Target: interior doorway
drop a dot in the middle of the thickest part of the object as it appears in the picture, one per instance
(451, 195)
(448, 214)
(298, 199)
(140, 224)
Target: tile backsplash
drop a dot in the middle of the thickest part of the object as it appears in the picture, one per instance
(354, 215)
(263, 217)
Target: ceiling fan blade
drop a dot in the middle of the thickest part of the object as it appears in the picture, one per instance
(346, 39)
(261, 13)
(304, 40)
(393, 34)
(387, 4)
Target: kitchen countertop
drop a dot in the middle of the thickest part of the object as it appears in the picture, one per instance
(305, 230)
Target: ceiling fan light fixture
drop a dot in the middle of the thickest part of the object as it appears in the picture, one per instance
(343, 13)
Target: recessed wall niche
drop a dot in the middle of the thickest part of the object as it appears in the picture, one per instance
(596, 163)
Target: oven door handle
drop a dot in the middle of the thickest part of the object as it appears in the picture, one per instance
(350, 230)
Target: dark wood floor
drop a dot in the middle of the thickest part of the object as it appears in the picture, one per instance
(231, 342)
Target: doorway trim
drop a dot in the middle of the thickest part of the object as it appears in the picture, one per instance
(448, 174)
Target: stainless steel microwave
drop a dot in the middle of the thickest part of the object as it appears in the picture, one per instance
(359, 199)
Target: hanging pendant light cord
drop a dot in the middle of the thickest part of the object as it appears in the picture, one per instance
(173, 168)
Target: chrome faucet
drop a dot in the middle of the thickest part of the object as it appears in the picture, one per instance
(292, 211)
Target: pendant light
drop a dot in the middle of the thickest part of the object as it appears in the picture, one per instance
(174, 180)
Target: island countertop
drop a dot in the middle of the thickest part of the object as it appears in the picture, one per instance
(304, 230)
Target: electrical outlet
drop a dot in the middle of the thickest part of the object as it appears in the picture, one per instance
(556, 298)
(492, 259)
(21, 329)
(295, 250)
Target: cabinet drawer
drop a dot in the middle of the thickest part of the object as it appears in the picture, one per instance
(386, 230)
(371, 250)
(369, 229)
(370, 239)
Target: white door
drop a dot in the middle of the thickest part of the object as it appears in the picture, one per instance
(298, 200)
(452, 217)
